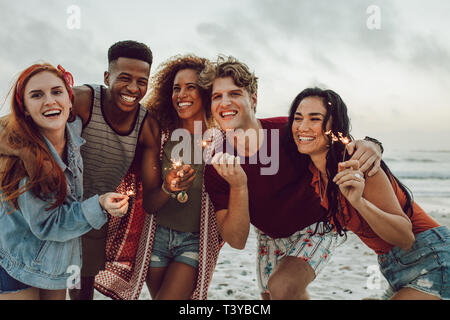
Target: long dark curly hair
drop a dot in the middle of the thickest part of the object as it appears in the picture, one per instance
(159, 101)
(340, 124)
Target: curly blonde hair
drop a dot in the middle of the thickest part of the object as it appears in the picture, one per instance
(229, 66)
(159, 101)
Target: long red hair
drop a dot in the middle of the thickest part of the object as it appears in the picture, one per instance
(20, 133)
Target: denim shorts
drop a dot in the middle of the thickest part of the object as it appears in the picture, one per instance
(10, 285)
(424, 267)
(171, 245)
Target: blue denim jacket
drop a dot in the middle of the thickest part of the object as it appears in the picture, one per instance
(38, 246)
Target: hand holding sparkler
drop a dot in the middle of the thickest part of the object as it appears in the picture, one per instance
(367, 153)
(351, 182)
(116, 204)
(179, 178)
(230, 169)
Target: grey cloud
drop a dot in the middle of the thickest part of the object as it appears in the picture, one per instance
(340, 26)
(35, 36)
(323, 28)
(331, 24)
(320, 28)
(428, 53)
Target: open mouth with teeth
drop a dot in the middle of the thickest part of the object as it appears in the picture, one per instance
(184, 105)
(305, 139)
(128, 99)
(229, 114)
(52, 113)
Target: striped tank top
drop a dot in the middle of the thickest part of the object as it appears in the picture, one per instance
(107, 155)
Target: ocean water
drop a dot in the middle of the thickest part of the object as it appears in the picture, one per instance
(425, 173)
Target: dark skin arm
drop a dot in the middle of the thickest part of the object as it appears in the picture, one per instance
(82, 96)
(153, 195)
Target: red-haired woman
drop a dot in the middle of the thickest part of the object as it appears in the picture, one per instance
(42, 215)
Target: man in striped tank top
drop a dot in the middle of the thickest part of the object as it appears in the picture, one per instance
(114, 127)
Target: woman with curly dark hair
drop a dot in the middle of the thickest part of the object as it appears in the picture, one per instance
(412, 248)
(173, 189)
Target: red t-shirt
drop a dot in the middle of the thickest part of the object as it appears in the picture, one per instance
(280, 204)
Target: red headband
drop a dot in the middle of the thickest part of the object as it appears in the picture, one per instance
(68, 79)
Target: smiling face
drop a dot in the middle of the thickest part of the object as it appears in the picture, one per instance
(47, 102)
(127, 80)
(186, 98)
(232, 106)
(307, 127)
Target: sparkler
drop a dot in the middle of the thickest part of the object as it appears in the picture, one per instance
(182, 196)
(127, 191)
(176, 163)
(204, 143)
(345, 140)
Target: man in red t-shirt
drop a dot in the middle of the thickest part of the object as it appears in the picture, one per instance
(256, 181)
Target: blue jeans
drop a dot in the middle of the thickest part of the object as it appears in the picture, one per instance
(171, 245)
(424, 267)
(10, 285)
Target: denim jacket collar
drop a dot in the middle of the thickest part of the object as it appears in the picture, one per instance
(73, 143)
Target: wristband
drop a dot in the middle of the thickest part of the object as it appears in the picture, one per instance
(376, 142)
(171, 194)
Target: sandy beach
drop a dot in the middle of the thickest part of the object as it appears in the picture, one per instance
(352, 273)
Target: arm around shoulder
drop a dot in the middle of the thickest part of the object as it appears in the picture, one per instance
(82, 102)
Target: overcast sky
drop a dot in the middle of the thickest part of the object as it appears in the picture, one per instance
(389, 60)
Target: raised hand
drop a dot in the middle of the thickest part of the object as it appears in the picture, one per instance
(350, 180)
(179, 179)
(229, 168)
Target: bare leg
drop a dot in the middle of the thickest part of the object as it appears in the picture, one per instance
(290, 279)
(412, 294)
(53, 294)
(155, 277)
(86, 292)
(179, 282)
(27, 294)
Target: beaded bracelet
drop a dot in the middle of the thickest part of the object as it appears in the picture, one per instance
(171, 194)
